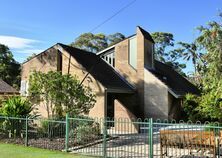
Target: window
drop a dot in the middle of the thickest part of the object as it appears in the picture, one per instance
(24, 88)
(133, 52)
(59, 61)
(109, 57)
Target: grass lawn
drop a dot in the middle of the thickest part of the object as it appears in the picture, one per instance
(18, 151)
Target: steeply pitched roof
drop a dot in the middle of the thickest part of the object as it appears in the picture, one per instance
(6, 88)
(99, 69)
(177, 84)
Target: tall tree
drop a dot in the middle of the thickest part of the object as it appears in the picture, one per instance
(210, 101)
(9, 68)
(90, 42)
(115, 38)
(165, 52)
(162, 41)
(191, 53)
(96, 42)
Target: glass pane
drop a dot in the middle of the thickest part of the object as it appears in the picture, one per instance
(133, 52)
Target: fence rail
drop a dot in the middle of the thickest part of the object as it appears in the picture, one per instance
(115, 137)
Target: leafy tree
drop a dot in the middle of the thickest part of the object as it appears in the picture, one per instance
(60, 93)
(164, 51)
(9, 68)
(162, 41)
(115, 38)
(96, 42)
(209, 41)
(90, 42)
(190, 52)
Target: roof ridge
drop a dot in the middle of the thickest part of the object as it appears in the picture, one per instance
(99, 69)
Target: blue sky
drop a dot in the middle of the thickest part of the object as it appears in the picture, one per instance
(29, 26)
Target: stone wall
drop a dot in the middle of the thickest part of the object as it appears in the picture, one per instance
(156, 97)
(76, 69)
(47, 61)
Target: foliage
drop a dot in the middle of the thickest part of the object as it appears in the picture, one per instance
(96, 42)
(165, 51)
(61, 93)
(9, 68)
(190, 107)
(85, 133)
(114, 38)
(51, 128)
(16, 106)
(190, 52)
(162, 41)
(209, 42)
(31, 56)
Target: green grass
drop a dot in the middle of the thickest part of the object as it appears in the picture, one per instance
(18, 151)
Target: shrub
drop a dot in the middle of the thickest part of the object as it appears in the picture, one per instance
(16, 107)
(51, 129)
(83, 134)
(82, 121)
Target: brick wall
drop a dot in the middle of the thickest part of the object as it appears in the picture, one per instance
(156, 97)
(80, 72)
(48, 61)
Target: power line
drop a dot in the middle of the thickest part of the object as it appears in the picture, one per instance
(115, 14)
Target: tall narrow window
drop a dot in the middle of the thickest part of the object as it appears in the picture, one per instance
(24, 88)
(133, 52)
(59, 61)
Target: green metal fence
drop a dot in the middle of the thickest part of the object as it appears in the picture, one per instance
(115, 137)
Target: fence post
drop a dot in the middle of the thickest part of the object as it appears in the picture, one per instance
(104, 137)
(151, 137)
(26, 131)
(67, 132)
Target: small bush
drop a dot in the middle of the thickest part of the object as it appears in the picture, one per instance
(51, 129)
(85, 134)
(16, 107)
(82, 121)
(190, 105)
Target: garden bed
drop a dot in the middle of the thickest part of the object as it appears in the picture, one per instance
(51, 144)
(44, 143)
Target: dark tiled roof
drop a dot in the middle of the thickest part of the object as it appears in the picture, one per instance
(176, 83)
(99, 69)
(6, 88)
(146, 34)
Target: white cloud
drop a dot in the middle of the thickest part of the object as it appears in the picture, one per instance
(30, 51)
(17, 42)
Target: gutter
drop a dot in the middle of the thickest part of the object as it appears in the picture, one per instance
(174, 94)
(113, 90)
